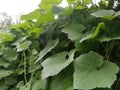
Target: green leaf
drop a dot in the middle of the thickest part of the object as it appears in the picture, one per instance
(111, 32)
(51, 2)
(3, 86)
(56, 63)
(4, 63)
(108, 14)
(92, 72)
(10, 81)
(6, 37)
(23, 46)
(64, 80)
(106, 38)
(117, 13)
(5, 73)
(68, 11)
(43, 18)
(57, 9)
(87, 45)
(86, 1)
(47, 3)
(37, 82)
(74, 31)
(26, 87)
(32, 15)
(103, 13)
(71, 1)
(10, 54)
(36, 32)
(38, 85)
(51, 44)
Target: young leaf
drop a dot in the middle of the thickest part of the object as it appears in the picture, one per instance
(56, 63)
(92, 72)
(100, 26)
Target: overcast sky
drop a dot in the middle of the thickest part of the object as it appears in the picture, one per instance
(18, 7)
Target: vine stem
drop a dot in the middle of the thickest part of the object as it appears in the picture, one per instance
(48, 83)
(117, 83)
(108, 50)
(25, 77)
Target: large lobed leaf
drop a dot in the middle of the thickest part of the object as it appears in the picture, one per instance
(92, 72)
(56, 63)
(74, 30)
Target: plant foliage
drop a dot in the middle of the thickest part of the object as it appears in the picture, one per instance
(57, 48)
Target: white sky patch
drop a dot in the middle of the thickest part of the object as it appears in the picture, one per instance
(15, 8)
(18, 7)
(64, 3)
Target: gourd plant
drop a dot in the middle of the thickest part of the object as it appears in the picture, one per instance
(57, 48)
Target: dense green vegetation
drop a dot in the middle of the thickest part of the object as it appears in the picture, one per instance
(56, 48)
